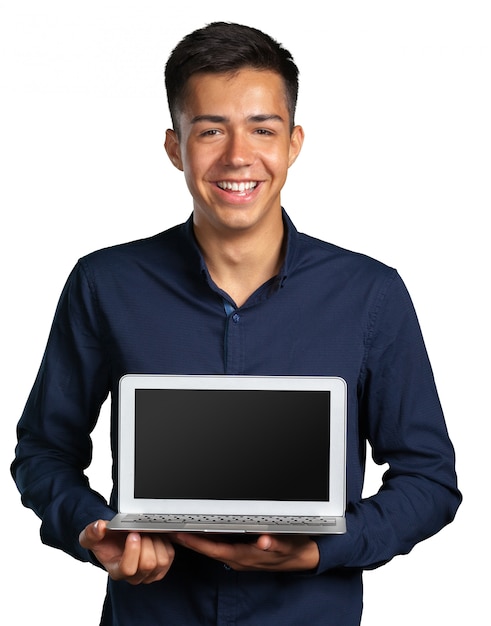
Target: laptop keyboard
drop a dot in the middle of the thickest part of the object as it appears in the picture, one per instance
(229, 519)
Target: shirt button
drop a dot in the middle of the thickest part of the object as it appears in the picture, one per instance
(235, 318)
(226, 567)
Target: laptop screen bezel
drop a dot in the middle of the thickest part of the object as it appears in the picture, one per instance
(334, 506)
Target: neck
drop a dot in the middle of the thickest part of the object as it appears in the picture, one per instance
(240, 263)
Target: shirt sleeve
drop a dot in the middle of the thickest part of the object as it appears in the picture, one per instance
(401, 417)
(54, 445)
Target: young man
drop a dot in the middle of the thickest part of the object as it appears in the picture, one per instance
(237, 290)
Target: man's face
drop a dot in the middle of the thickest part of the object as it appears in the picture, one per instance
(235, 148)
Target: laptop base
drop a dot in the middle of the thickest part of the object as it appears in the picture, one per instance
(234, 524)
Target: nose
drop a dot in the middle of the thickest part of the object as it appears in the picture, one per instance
(238, 152)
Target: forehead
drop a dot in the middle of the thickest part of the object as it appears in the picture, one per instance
(246, 88)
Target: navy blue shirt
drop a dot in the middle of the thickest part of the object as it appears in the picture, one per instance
(150, 306)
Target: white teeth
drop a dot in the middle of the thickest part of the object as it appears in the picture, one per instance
(233, 186)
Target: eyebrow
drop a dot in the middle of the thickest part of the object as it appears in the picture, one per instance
(221, 119)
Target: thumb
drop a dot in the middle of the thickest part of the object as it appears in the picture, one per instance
(92, 534)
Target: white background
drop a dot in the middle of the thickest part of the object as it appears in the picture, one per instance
(395, 100)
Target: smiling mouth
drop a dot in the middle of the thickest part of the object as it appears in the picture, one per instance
(240, 187)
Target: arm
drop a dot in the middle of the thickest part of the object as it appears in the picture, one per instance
(54, 445)
(401, 417)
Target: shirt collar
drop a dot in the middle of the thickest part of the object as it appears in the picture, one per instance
(291, 241)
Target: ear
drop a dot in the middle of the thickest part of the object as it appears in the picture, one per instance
(173, 149)
(296, 143)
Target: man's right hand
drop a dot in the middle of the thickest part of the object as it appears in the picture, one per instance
(132, 556)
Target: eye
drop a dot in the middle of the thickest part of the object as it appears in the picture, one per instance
(264, 131)
(210, 132)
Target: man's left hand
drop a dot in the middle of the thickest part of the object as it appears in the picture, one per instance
(267, 553)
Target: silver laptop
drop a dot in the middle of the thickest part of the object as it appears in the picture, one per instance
(232, 454)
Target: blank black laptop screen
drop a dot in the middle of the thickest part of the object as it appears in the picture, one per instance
(232, 444)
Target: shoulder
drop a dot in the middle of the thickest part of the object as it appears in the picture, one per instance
(171, 250)
(139, 249)
(326, 256)
(129, 265)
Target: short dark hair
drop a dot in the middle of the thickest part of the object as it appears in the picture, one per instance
(222, 47)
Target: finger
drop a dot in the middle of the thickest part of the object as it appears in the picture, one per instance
(164, 557)
(281, 544)
(127, 567)
(266, 543)
(147, 564)
(204, 545)
(236, 555)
